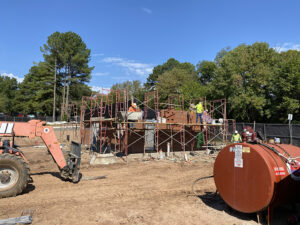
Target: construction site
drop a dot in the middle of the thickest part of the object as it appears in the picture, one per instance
(153, 165)
(107, 125)
(149, 112)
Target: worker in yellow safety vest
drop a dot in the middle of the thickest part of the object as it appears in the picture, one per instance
(199, 111)
(236, 137)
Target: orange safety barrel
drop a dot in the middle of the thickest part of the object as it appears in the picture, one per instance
(252, 177)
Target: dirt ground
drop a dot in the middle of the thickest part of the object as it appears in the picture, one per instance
(137, 192)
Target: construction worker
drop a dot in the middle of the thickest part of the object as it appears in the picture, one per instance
(191, 112)
(199, 111)
(206, 117)
(132, 108)
(236, 137)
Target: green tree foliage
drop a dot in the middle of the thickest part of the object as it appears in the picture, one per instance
(178, 81)
(35, 94)
(192, 90)
(66, 54)
(259, 83)
(8, 90)
(159, 70)
(173, 79)
(206, 71)
(285, 88)
(220, 55)
(243, 77)
(71, 55)
(135, 89)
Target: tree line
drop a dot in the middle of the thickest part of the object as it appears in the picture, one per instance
(53, 83)
(259, 83)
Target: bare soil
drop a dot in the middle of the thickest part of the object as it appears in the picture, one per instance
(137, 192)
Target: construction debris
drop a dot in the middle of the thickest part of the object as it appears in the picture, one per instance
(93, 178)
(16, 220)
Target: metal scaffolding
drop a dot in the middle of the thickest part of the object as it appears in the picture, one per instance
(163, 127)
(70, 110)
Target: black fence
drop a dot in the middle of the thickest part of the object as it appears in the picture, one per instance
(43, 118)
(287, 134)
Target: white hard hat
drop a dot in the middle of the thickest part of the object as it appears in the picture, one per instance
(235, 131)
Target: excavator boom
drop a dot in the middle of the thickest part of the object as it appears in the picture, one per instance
(35, 128)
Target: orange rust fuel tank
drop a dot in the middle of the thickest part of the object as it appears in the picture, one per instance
(252, 177)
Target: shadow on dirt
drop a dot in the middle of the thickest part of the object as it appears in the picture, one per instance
(55, 174)
(281, 214)
(29, 188)
(214, 200)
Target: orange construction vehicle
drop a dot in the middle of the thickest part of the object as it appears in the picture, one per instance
(14, 170)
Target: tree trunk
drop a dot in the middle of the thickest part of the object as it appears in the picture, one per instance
(64, 96)
(54, 93)
(68, 89)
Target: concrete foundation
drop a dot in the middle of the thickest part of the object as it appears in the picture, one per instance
(103, 159)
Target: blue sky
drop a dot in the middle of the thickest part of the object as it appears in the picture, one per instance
(129, 37)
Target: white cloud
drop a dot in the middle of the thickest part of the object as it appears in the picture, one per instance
(100, 74)
(141, 69)
(146, 10)
(96, 88)
(19, 79)
(98, 54)
(100, 89)
(287, 46)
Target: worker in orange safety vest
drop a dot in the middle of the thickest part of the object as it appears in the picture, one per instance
(132, 108)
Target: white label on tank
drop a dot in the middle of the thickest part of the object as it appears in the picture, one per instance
(9, 128)
(238, 163)
(238, 156)
(238, 153)
(3, 128)
(239, 147)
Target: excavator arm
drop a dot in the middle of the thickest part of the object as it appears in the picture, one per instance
(69, 167)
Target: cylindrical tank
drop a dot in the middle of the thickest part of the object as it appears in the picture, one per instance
(251, 177)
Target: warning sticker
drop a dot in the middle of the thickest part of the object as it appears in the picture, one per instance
(238, 163)
(276, 169)
(246, 149)
(239, 147)
(238, 153)
(279, 171)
